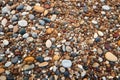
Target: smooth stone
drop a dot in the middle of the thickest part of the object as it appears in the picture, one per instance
(64, 48)
(29, 59)
(43, 64)
(66, 63)
(49, 30)
(2, 70)
(3, 77)
(46, 19)
(100, 33)
(1, 58)
(28, 67)
(4, 22)
(8, 63)
(20, 7)
(102, 0)
(45, 12)
(94, 22)
(26, 35)
(28, 8)
(48, 43)
(99, 51)
(22, 23)
(38, 9)
(83, 73)
(62, 69)
(42, 22)
(31, 16)
(5, 10)
(34, 35)
(40, 58)
(22, 31)
(106, 7)
(97, 39)
(53, 18)
(5, 42)
(14, 60)
(118, 42)
(95, 65)
(56, 57)
(14, 18)
(30, 39)
(15, 29)
(10, 26)
(66, 74)
(68, 49)
(111, 57)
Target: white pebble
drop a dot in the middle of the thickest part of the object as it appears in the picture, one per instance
(4, 22)
(5, 42)
(68, 49)
(26, 35)
(66, 63)
(53, 18)
(95, 35)
(48, 43)
(94, 22)
(100, 33)
(22, 23)
(106, 7)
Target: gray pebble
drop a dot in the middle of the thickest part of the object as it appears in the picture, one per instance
(34, 35)
(14, 60)
(5, 10)
(106, 7)
(14, 18)
(31, 16)
(26, 35)
(66, 63)
(20, 7)
(7, 64)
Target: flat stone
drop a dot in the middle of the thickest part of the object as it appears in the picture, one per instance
(48, 43)
(66, 63)
(62, 69)
(42, 22)
(99, 51)
(110, 56)
(29, 59)
(20, 7)
(45, 12)
(100, 33)
(106, 7)
(22, 31)
(14, 60)
(118, 42)
(38, 9)
(53, 18)
(5, 10)
(2, 70)
(28, 67)
(22, 23)
(5, 42)
(94, 22)
(26, 35)
(31, 16)
(7, 64)
(2, 77)
(14, 18)
(95, 65)
(49, 30)
(43, 64)
(15, 29)
(4, 22)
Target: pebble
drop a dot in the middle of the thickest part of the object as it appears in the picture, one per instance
(45, 12)
(66, 63)
(4, 22)
(22, 23)
(43, 64)
(83, 73)
(2, 70)
(49, 30)
(2, 77)
(68, 49)
(106, 7)
(42, 22)
(20, 7)
(56, 57)
(34, 35)
(5, 42)
(14, 60)
(95, 65)
(8, 63)
(40, 58)
(14, 18)
(29, 59)
(38, 9)
(26, 35)
(30, 39)
(28, 8)
(62, 69)
(100, 33)
(15, 29)
(118, 43)
(31, 16)
(110, 56)
(22, 31)
(48, 43)
(53, 18)
(100, 51)
(28, 67)
(66, 74)
(94, 22)
(5, 10)
(46, 19)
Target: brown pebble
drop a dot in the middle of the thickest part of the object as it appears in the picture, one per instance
(15, 29)
(43, 64)
(29, 59)
(39, 9)
(2, 70)
(49, 30)
(56, 57)
(119, 43)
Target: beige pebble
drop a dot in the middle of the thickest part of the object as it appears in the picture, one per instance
(39, 9)
(56, 57)
(2, 77)
(43, 64)
(111, 57)
(95, 64)
(45, 12)
(15, 29)
(29, 59)
(49, 30)
(2, 70)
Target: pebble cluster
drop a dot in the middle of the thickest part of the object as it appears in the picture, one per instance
(60, 40)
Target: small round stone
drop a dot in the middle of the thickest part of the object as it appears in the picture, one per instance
(14, 60)
(95, 65)
(45, 12)
(26, 35)
(56, 57)
(110, 56)
(48, 43)
(40, 58)
(22, 31)
(2, 77)
(66, 63)
(5, 10)
(106, 7)
(49, 30)
(62, 69)
(66, 74)
(7, 64)
(15, 29)
(42, 22)
(31, 16)
(29, 59)
(38, 9)
(118, 43)
(5, 42)
(20, 7)
(68, 49)
(22, 23)
(43, 64)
